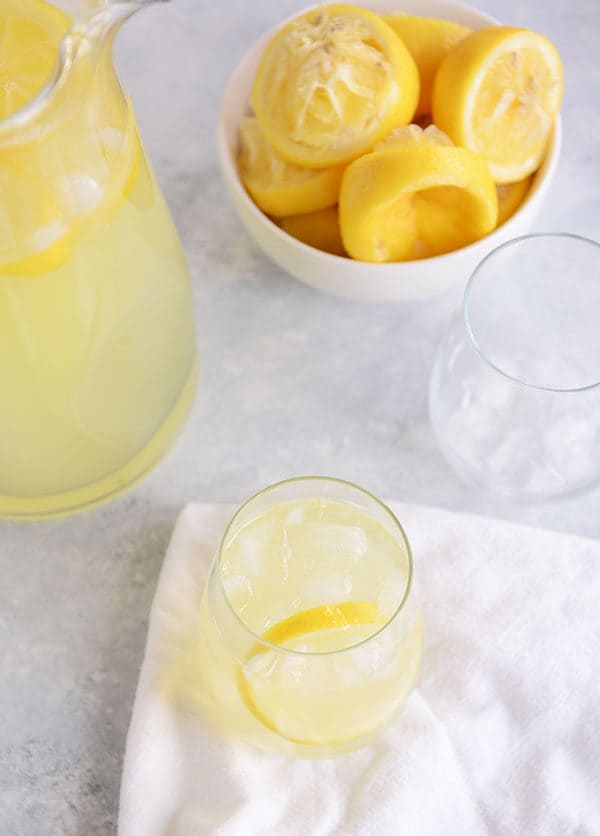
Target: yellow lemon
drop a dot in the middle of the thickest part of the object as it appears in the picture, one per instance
(30, 33)
(320, 618)
(497, 92)
(428, 40)
(281, 708)
(331, 83)
(280, 188)
(416, 196)
(510, 197)
(54, 189)
(317, 229)
(34, 237)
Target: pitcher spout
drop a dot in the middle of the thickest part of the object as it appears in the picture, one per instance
(104, 21)
(87, 42)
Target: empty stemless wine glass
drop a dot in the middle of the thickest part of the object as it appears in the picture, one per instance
(310, 621)
(515, 391)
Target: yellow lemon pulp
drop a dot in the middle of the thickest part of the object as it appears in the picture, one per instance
(428, 40)
(415, 199)
(280, 188)
(327, 625)
(33, 219)
(498, 92)
(332, 83)
(75, 173)
(317, 229)
(30, 34)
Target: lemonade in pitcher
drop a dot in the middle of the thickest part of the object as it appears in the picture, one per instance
(97, 351)
(310, 632)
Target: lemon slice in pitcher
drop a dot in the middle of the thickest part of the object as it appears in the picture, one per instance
(30, 34)
(332, 83)
(498, 92)
(269, 683)
(55, 188)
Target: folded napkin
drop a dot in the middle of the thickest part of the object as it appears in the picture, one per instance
(502, 736)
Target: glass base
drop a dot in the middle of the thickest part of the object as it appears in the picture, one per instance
(88, 496)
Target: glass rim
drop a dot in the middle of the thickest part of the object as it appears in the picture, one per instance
(105, 18)
(468, 324)
(304, 653)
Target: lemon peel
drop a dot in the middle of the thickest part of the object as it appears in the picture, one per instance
(428, 40)
(317, 619)
(415, 198)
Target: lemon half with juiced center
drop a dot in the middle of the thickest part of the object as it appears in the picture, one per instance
(498, 93)
(415, 196)
(280, 188)
(332, 83)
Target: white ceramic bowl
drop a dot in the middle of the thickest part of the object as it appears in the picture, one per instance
(399, 281)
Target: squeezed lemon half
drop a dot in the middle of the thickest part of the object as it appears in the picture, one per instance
(414, 197)
(280, 188)
(498, 92)
(332, 83)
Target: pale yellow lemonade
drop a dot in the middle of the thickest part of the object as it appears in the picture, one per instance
(90, 371)
(310, 630)
(97, 354)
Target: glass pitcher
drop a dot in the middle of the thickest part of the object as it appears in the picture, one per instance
(97, 350)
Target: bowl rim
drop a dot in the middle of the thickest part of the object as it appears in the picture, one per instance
(542, 176)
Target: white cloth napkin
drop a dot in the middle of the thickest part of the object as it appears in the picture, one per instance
(502, 735)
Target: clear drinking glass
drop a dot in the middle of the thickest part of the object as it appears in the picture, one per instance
(311, 632)
(515, 391)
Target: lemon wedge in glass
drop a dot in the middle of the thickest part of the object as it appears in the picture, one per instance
(264, 681)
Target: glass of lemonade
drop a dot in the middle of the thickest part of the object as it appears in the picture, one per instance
(311, 631)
